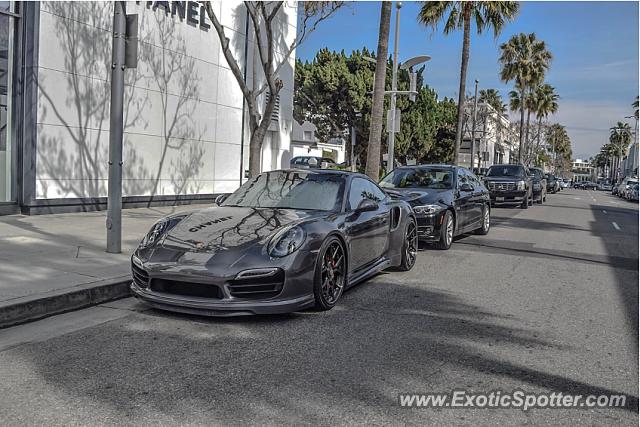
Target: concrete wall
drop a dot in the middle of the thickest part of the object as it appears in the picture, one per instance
(183, 107)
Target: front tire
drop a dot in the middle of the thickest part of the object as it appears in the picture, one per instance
(446, 232)
(410, 247)
(330, 274)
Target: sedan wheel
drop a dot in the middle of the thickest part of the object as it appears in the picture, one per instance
(486, 219)
(410, 247)
(330, 274)
(446, 232)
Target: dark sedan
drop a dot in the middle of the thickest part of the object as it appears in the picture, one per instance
(447, 200)
(284, 241)
(510, 184)
(539, 185)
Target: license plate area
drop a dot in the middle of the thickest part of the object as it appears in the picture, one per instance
(499, 199)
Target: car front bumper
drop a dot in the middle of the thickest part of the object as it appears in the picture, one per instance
(508, 197)
(220, 308)
(429, 226)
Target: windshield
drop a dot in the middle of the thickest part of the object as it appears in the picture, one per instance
(290, 190)
(435, 178)
(507, 170)
(537, 173)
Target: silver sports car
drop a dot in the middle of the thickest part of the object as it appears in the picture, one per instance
(284, 241)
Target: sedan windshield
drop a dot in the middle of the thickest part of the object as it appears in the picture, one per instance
(508, 170)
(290, 190)
(434, 178)
(537, 173)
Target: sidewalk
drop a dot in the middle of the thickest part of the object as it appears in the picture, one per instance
(56, 263)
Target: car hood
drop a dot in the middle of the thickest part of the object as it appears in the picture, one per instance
(227, 228)
(415, 196)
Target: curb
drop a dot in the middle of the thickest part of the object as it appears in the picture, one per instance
(35, 307)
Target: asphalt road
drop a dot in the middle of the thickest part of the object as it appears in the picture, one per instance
(548, 301)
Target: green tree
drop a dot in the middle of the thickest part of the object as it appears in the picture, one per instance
(493, 98)
(459, 15)
(525, 60)
(635, 106)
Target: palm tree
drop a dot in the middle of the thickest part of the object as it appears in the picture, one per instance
(458, 15)
(620, 139)
(375, 132)
(525, 60)
(635, 105)
(545, 102)
(493, 98)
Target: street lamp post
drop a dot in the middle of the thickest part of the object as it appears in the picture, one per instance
(473, 128)
(394, 88)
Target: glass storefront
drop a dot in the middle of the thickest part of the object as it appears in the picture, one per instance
(7, 39)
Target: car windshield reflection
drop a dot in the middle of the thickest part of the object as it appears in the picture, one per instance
(432, 178)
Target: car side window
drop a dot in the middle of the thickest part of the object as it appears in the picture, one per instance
(363, 189)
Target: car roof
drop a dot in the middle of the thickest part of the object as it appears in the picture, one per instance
(428, 165)
(320, 171)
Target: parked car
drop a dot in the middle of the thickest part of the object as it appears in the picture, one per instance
(626, 191)
(607, 187)
(578, 185)
(634, 193)
(625, 185)
(447, 200)
(539, 182)
(590, 186)
(311, 162)
(509, 184)
(552, 183)
(564, 183)
(284, 241)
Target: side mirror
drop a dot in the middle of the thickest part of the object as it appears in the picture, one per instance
(221, 198)
(367, 205)
(466, 187)
(313, 162)
(324, 165)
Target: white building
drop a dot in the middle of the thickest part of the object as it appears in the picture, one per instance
(305, 143)
(582, 170)
(493, 138)
(183, 135)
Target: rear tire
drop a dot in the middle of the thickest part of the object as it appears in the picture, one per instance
(525, 202)
(446, 232)
(486, 219)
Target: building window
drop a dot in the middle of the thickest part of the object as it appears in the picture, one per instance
(308, 135)
(7, 39)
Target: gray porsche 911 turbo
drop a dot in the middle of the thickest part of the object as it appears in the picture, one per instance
(285, 241)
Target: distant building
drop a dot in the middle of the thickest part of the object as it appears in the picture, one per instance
(629, 165)
(582, 170)
(305, 143)
(493, 139)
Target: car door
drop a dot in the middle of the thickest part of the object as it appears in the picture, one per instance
(368, 231)
(478, 198)
(464, 200)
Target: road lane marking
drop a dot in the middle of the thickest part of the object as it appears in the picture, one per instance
(616, 226)
(603, 211)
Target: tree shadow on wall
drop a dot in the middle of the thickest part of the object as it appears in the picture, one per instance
(74, 156)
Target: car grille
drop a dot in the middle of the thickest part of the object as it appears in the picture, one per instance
(187, 289)
(501, 186)
(261, 284)
(140, 277)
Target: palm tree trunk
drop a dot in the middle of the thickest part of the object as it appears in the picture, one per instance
(375, 133)
(466, 41)
(526, 139)
(521, 125)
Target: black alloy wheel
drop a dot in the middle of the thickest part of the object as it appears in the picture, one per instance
(446, 232)
(486, 221)
(331, 274)
(410, 247)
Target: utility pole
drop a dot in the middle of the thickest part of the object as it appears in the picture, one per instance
(473, 129)
(123, 55)
(394, 88)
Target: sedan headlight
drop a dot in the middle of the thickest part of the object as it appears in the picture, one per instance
(426, 209)
(159, 229)
(521, 185)
(286, 241)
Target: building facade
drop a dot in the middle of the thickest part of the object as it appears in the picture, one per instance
(493, 139)
(184, 139)
(582, 171)
(305, 143)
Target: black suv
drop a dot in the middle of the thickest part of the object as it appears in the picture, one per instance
(510, 184)
(539, 184)
(553, 185)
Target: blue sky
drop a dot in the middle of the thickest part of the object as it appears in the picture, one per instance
(595, 48)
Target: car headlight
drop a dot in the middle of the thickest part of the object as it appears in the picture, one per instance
(426, 209)
(537, 186)
(521, 185)
(158, 230)
(286, 241)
